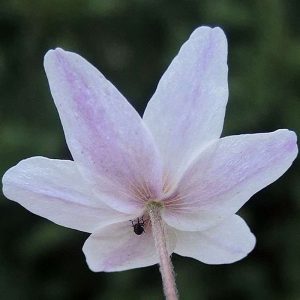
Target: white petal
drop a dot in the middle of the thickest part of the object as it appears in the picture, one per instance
(54, 189)
(226, 174)
(226, 243)
(117, 248)
(103, 131)
(187, 110)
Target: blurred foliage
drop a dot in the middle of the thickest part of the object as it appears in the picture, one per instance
(132, 43)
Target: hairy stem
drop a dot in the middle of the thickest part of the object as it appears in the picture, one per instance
(159, 235)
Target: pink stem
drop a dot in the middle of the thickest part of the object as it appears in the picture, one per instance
(166, 267)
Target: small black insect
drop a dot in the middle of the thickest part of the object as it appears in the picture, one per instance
(138, 227)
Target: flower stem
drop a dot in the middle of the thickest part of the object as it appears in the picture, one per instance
(159, 235)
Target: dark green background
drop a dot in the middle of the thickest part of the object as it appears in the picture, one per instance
(132, 43)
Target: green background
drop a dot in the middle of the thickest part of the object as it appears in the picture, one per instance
(132, 42)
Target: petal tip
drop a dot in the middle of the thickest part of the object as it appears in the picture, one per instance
(4, 184)
(89, 261)
(290, 141)
(52, 54)
(216, 31)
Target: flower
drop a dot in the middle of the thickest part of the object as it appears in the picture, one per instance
(173, 157)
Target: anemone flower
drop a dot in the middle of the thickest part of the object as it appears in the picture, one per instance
(147, 187)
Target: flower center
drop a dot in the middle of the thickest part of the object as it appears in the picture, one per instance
(154, 205)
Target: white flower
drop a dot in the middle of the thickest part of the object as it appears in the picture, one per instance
(172, 157)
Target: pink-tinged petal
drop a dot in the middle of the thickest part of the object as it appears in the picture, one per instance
(226, 243)
(190, 219)
(54, 189)
(105, 135)
(117, 248)
(187, 110)
(226, 174)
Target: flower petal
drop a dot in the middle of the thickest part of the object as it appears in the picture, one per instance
(117, 248)
(226, 174)
(54, 189)
(187, 110)
(226, 243)
(105, 134)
